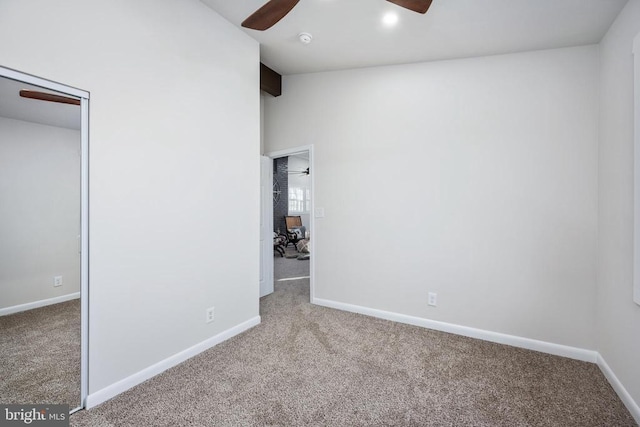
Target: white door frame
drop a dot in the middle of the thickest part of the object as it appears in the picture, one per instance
(312, 227)
(84, 212)
(636, 170)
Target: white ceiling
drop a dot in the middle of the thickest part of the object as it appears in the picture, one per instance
(349, 33)
(13, 106)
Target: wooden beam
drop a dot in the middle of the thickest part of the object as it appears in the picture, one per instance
(270, 81)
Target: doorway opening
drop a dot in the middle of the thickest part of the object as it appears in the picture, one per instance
(293, 226)
(46, 135)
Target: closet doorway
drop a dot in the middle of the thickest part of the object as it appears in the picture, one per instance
(44, 228)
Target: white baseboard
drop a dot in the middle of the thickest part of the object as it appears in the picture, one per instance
(38, 304)
(512, 340)
(622, 392)
(125, 384)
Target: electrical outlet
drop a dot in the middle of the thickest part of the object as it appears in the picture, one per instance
(433, 299)
(210, 314)
(57, 281)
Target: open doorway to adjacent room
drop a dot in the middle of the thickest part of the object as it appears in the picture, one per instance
(291, 191)
(291, 212)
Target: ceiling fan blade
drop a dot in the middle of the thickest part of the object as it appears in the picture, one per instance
(43, 96)
(269, 14)
(420, 6)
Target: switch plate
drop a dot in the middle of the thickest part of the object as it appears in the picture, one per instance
(433, 299)
(57, 281)
(319, 213)
(210, 314)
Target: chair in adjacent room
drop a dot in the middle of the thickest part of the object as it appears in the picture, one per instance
(295, 230)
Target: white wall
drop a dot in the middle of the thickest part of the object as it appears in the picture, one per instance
(174, 109)
(475, 179)
(618, 318)
(39, 211)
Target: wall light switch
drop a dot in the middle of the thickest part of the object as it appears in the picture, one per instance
(319, 212)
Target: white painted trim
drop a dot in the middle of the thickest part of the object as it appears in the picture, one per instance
(636, 171)
(44, 83)
(512, 340)
(38, 304)
(312, 220)
(101, 396)
(622, 392)
(84, 249)
(291, 152)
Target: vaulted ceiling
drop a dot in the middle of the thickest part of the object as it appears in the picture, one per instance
(351, 34)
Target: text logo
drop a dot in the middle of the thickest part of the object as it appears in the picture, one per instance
(34, 415)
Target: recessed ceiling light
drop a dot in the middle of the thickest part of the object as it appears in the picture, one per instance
(390, 19)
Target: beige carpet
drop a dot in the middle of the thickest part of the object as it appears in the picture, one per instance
(40, 355)
(314, 366)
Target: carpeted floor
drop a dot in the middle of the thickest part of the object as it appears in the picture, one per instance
(40, 355)
(284, 267)
(312, 366)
